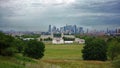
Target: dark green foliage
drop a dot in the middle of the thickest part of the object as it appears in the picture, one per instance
(10, 45)
(116, 63)
(113, 48)
(68, 39)
(6, 45)
(48, 39)
(31, 36)
(8, 51)
(34, 49)
(95, 49)
(57, 35)
(19, 45)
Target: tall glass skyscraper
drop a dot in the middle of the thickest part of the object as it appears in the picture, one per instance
(49, 30)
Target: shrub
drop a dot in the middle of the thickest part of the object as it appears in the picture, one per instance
(116, 63)
(6, 45)
(113, 47)
(34, 49)
(8, 51)
(68, 39)
(95, 49)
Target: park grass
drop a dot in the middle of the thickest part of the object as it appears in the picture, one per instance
(70, 56)
(56, 56)
(9, 62)
(16, 61)
(67, 51)
(80, 64)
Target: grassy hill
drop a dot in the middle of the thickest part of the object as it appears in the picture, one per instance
(56, 56)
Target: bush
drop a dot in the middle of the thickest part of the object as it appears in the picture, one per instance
(48, 39)
(113, 48)
(68, 39)
(95, 49)
(6, 45)
(34, 49)
(9, 51)
(19, 45)
(116, 63)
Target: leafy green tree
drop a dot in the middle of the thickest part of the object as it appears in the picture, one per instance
(34, 49)
(68, 39)
(19, 45)
(113, 49)
(116, 62)
(6, 47)
(48, 39)
(95, 49)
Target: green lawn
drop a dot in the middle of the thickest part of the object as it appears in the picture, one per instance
(9, 62)
(68, 51)
(70, 56)
(56, 56)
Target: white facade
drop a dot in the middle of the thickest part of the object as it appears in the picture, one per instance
(46, 36)
(28, 39)
(68, 42)
(58, 41)
(81, 41)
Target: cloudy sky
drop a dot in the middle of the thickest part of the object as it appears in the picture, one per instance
(36, 15)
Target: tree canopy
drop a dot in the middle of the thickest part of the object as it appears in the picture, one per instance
(34, 49)
(6, 45)
(95, 49)
(113, 48)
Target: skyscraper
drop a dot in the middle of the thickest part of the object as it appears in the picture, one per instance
(75, 29)
(81, 30)
(54, 29)
(49, 30)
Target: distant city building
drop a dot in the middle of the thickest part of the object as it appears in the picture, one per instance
(50, 29)
(54, 29)
(67, 29)
(75, 29)
(57, 39)
(80, 41)
(28, 39)
(118, 31)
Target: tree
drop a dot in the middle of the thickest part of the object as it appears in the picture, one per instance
(6, 47)
(19, 45)
(34, 49)
(68, 39)
(116, 62)
(113, 48)
(95, 49)
(48, 39)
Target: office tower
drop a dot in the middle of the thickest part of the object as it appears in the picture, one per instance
(87, 31)
(75, 29)
(80, 30)
(54, 29)
(49, 30)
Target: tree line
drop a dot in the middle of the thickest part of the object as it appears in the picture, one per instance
(97, 48)
(9, 46)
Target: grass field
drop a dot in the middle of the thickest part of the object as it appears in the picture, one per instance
(70, 56)
(66, 52)
(56, 56)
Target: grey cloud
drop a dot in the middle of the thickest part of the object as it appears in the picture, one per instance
(96, 6)
(37, 16)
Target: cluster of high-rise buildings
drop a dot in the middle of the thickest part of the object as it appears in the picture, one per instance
(67, 29)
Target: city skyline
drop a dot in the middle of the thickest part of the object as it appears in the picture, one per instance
(68, 29)
(36, 15)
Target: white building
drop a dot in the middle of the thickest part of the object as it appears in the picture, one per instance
(81, 41)
(69, 42)
(28, 39)
(58, 41)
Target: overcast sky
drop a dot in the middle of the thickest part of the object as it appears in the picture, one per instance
(36, 15)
